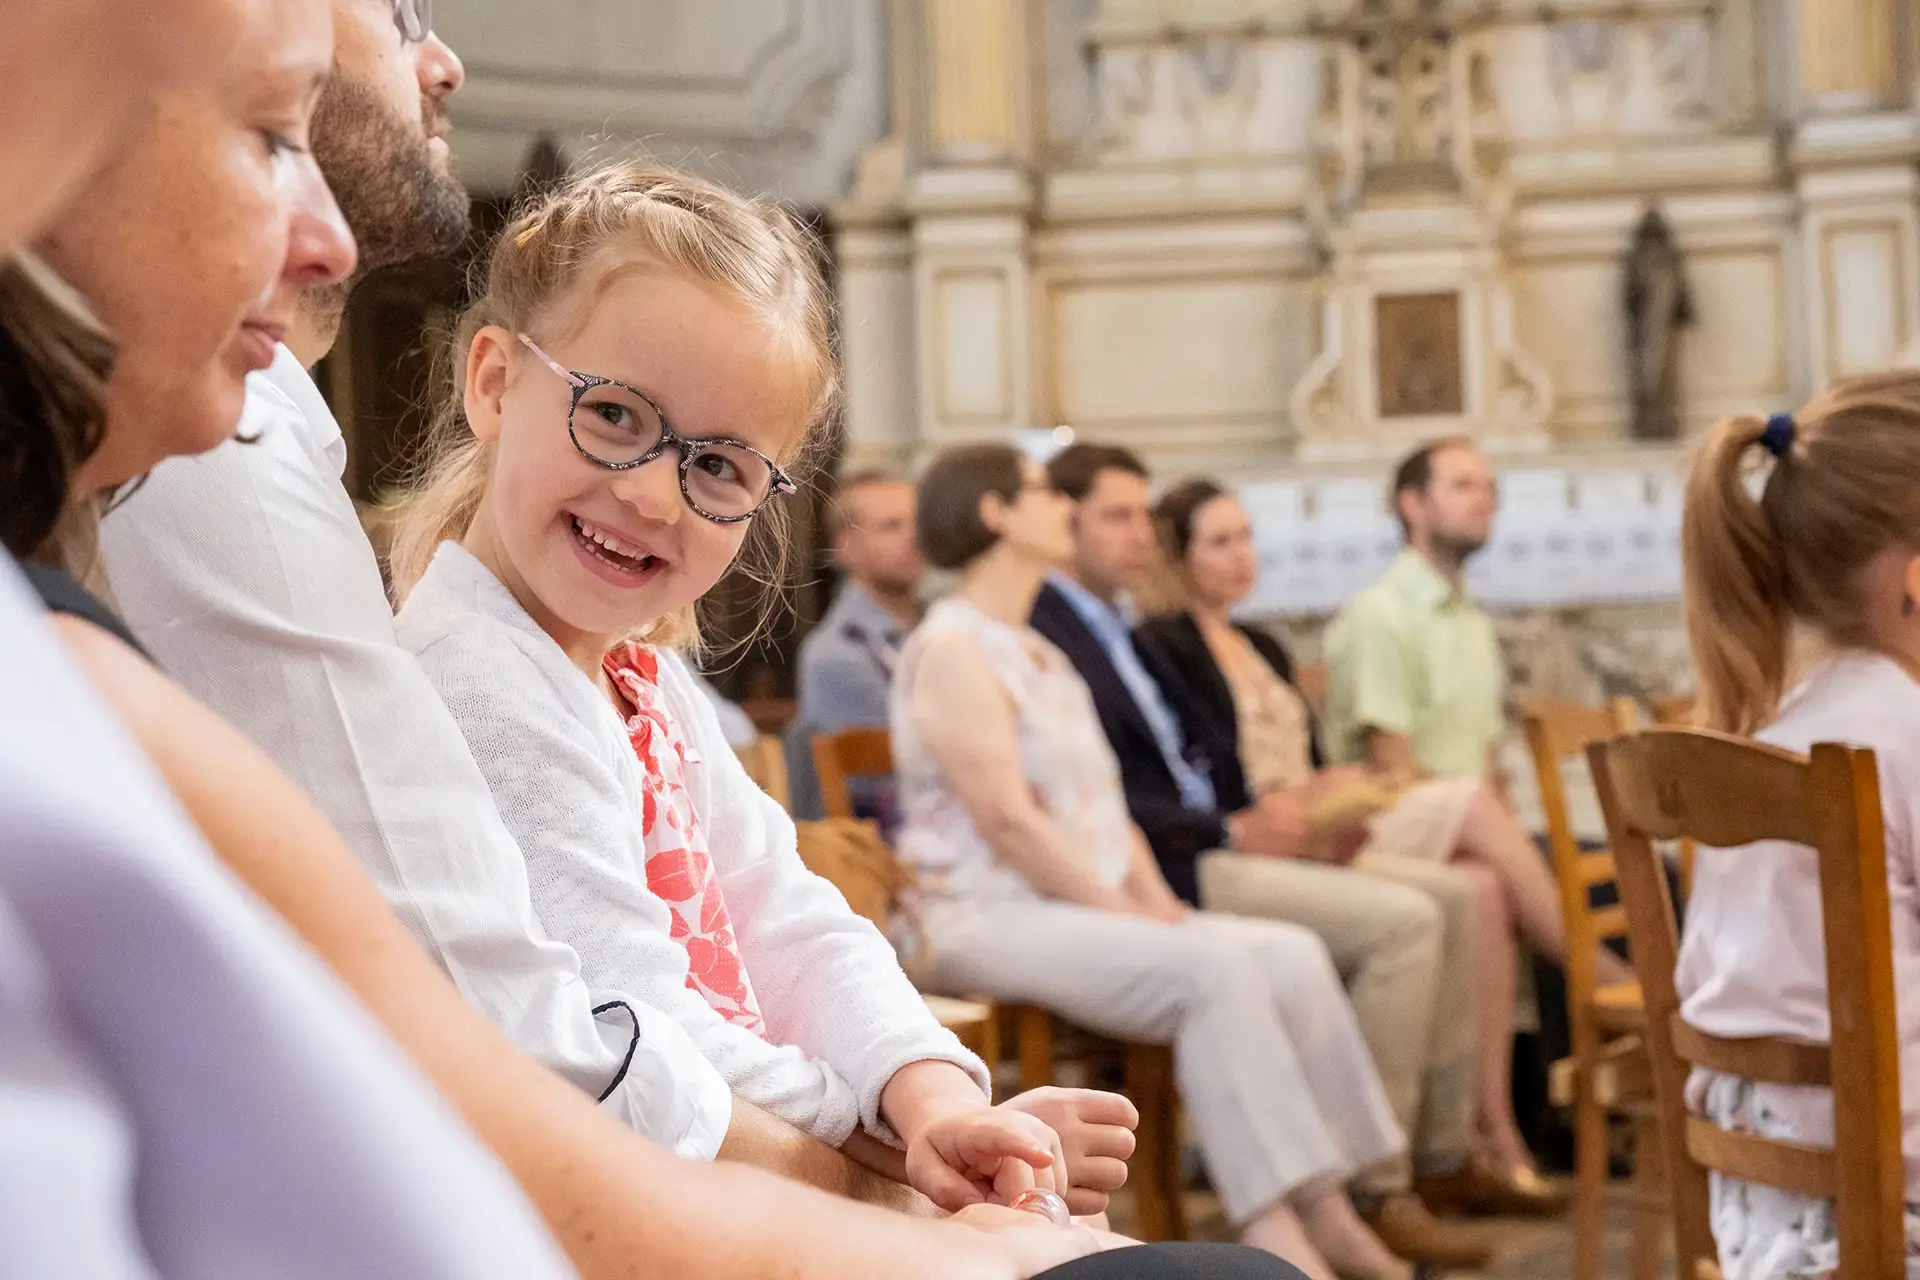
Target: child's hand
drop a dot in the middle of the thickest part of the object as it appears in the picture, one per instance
(1096, 1136)
(984, 1154)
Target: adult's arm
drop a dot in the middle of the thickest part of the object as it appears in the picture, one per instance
(866, 1170)
(1392, 754)
(963, 714)
(246, 574)
(619, 1205)
(1372, 674)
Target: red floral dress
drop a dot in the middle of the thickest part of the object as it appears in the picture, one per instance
(679, 870)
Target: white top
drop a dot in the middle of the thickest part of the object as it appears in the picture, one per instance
(1751, 960)
(1064, 751)
(245, 572)
(185, 1090)
(841, 1017)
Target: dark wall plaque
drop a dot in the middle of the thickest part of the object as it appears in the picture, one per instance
(1417, 352)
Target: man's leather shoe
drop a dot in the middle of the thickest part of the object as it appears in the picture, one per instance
(1406, 1227)
(1481, 1187)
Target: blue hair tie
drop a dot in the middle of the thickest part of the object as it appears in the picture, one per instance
(1778, 437)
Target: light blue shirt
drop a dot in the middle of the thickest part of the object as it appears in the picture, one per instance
(1112, 628)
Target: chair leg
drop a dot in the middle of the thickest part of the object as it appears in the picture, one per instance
(990, 1043)
(1590, 1188)
(1650, 1209)
(1035, 1033)
(1156, 1156)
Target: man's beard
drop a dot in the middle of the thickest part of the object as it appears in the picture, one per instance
(401, 205)
(1455, 549)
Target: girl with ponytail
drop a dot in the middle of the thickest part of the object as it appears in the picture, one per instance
(1801, 551)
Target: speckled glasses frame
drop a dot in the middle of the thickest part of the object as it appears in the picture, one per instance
(780, 483)
(414, 18)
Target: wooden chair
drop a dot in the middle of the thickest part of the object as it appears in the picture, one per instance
(1154, 1171)
(1677, 713)
(1724, 792)
(851, 753)
(1606, 1073)
(766, 764)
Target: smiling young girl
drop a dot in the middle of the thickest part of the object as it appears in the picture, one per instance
(650, 355)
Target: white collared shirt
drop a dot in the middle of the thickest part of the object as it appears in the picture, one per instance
(185, 1090)
(246, 573)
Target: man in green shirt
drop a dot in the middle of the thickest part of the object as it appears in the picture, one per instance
(1415, 692)
(1416, 676)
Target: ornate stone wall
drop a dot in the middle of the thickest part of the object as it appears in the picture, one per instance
(775, 95)
(1198, 207)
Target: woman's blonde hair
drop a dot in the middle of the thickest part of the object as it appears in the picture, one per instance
(563, 248)
(1844, 486)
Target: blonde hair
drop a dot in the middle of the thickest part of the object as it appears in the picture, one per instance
(1846, 488)
(567, 245)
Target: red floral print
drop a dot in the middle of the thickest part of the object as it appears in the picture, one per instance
(678, 869)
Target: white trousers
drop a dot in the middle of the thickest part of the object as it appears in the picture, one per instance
(1405, 953)
(1271, 1063)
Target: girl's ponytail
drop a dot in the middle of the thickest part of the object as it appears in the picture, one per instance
(1735, 572)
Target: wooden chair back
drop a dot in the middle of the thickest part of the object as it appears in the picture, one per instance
(1726, 792)
(1673, 713)
(1558, 732)
(766, 763)
(851, 753)
(1677, 713)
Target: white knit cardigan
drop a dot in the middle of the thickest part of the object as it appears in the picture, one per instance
(841, 1017)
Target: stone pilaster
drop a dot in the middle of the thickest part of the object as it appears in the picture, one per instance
(1853, 155)
(1848, 61)
(977, 80)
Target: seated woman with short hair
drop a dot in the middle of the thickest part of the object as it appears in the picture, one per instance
(1036, 886)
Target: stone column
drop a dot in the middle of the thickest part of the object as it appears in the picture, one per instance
(970, 204)
(977, 80)
(1847, 54)
(935, 288)
(874, 262)
(1853, 155)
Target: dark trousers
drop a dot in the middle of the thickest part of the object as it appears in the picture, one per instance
(1178, 1262)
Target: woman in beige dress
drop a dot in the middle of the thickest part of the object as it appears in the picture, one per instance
(1378, 825)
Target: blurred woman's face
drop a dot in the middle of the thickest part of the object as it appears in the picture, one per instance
(77, 77)
(1221, 568)
(194, 245)
(1039, 522)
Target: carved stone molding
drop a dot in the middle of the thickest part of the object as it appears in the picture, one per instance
(732, 77)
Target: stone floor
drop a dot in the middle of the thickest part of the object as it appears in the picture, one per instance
(1523, 1249)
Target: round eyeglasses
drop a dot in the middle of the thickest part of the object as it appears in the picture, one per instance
(618, 427)
(414, 18)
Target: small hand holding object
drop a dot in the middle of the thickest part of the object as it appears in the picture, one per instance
(1096, 1136)
(984, 1154)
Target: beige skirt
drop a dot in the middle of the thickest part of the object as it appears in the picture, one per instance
(1426, 821)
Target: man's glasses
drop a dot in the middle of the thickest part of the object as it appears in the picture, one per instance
(414, 18)
(619, 428)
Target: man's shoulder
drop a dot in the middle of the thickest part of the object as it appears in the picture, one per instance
(1054, 617)
(832, 643)
(1378, 606)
